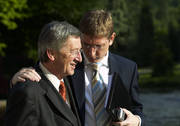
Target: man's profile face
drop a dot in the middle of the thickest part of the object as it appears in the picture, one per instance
(68, 56)
(95, 48)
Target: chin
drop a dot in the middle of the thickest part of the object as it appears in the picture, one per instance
(71, 72)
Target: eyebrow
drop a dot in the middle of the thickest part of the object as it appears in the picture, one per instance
(94, 44)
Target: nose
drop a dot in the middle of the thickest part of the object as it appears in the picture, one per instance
(92, 51)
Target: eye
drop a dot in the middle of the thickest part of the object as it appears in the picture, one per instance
(98, 46)
(86, 45)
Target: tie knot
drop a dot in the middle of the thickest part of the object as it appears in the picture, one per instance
(94, 66)
(61, 86)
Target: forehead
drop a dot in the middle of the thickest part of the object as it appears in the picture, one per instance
(73, 42)
(93, 40)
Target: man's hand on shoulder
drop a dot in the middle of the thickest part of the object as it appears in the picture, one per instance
(25, 73)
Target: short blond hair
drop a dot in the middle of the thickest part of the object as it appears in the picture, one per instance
(97, 23)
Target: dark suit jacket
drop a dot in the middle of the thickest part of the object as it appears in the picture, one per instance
(32, 104)
(127, 71)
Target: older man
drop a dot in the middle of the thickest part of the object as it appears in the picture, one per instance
(50, 102)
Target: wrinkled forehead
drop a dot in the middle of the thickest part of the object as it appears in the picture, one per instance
(72, 42)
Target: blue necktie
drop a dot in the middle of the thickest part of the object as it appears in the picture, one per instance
(99, 96)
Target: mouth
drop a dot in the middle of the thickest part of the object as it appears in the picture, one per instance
(93, 59)
(73, 65)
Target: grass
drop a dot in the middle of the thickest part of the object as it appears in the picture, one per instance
(162, 82)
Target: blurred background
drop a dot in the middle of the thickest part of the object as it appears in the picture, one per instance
(148, 32)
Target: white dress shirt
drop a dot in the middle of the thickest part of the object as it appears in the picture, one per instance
(51, 77)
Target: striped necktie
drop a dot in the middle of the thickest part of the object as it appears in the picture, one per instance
(99, 96)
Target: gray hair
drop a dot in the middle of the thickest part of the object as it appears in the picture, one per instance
(53, 35)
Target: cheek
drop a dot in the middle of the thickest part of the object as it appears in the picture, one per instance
(68, 61)
(64, 61)
(87, 52)
(102, 52)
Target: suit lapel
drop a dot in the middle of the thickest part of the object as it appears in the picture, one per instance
(113, 65)
(61, 106)
(78, 83)
(78, 86)
(52, 95)
(71, 99)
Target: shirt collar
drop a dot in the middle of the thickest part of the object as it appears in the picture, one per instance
(51, 77)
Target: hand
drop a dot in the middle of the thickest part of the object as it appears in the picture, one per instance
(25, 73)
(131, 120)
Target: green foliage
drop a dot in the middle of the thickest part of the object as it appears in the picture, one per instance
(31, 52)
(134, 9)
(166, 19)
(174, 40)
(69, 10)
(2, 46)
(162, 61)
(11, 10)
(162, 82)
(145, 44)
(139, 25)
(38, 13)
(119, 11)
(119, 14)
(161, 14)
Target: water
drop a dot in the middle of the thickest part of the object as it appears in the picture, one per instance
(162, 109)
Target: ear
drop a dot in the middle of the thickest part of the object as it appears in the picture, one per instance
(50, 54)
(112, 37)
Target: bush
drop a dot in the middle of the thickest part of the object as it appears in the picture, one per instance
(162, 61)
(161, 82)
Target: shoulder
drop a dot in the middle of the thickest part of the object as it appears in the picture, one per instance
(24, 89)
(120, 60)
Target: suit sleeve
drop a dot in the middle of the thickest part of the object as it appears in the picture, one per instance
(21, 106)
(137, 106)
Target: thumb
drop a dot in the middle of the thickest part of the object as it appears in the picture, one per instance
(126, 111)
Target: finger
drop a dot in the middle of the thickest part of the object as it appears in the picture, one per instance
(126, 111)
(16, 79)
(36, 74)
(21, 75)
(20, 79)
(31, 72)
(24, 69)
(29, 75)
